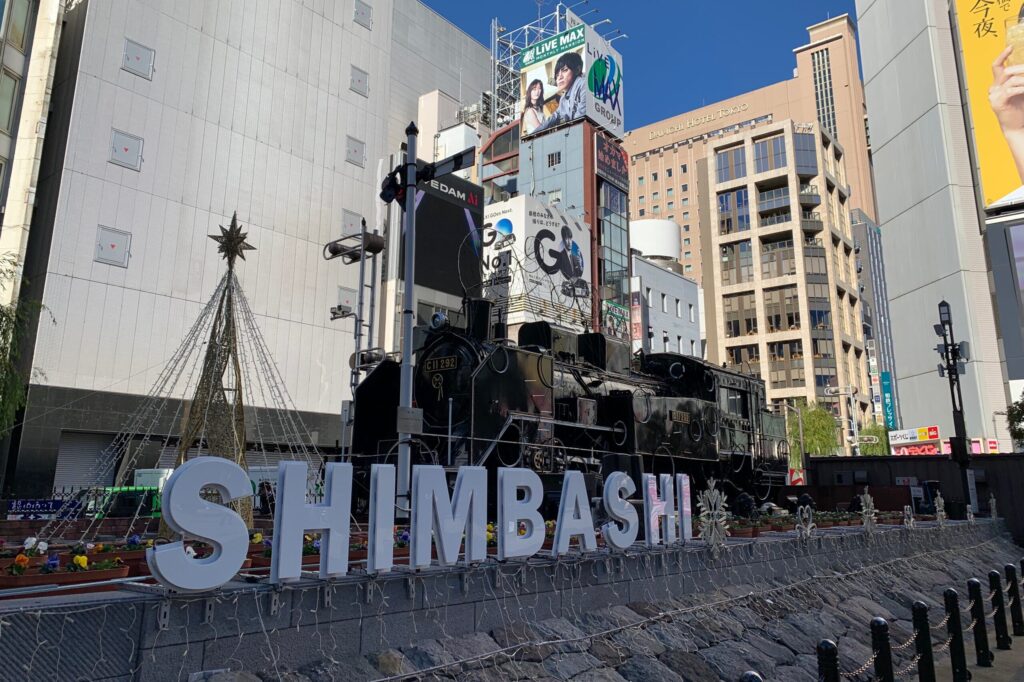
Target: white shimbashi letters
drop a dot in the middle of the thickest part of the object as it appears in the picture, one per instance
(436, 518)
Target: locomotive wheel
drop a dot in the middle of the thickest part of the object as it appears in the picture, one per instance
(696, 430)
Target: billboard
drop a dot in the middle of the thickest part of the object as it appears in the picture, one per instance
(611, 162)
(449, 215)
(537, 263)
(991, 40)
(615, 320)
(920, 441)
(567, 77)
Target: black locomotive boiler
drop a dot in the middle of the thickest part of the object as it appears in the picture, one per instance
(557, 400)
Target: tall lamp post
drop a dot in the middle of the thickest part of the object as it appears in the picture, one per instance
(954, 357)
(850, 392)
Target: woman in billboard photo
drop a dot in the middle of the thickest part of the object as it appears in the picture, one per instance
(533, 109)
(572, 93)
(1006, 96)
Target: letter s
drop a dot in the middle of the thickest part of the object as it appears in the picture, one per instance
(186, 512)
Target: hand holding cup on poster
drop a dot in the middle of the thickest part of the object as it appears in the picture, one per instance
(1006, 96)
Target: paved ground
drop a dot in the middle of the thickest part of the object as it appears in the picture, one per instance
(1009, 665)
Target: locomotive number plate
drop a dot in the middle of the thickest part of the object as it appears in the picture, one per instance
(679, 416)
(441, 364)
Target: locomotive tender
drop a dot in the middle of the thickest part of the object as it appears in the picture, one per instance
(557, 400)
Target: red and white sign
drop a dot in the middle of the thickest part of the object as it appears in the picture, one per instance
(796, 477)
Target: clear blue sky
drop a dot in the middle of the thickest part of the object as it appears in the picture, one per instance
(679, 54)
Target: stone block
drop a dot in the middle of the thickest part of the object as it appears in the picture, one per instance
(646, 669)
(399, 629)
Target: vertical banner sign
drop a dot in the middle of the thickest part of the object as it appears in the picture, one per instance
(612, 162)
(991, 41)
(888, 403)
(636, 314)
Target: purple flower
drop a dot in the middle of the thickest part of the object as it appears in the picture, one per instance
(316, 544)
(53, 561)
(135, 540)
(267, 543)
(404, 537)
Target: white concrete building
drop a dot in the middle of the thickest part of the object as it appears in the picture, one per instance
(167, 118)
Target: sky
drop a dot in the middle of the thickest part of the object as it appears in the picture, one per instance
(679, 54)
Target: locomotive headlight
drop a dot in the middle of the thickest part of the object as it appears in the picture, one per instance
(439, 321)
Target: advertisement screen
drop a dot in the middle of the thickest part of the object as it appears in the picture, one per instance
(991, 40)
(615, 320)
(449, 215)
(566, 77)
(537, 263)
(612, 162)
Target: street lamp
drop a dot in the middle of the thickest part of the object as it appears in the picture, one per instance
(850, 392)
(954, 356)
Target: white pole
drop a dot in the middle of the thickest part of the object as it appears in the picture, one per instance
(408, 319)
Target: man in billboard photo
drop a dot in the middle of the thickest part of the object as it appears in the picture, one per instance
(533, 108)
(570, 258)
(572, 103)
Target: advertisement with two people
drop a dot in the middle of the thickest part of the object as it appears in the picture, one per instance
(572, 75)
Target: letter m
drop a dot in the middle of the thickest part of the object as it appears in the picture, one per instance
(449, 518)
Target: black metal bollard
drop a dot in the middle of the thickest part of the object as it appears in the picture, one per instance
(985, 655)
(957, 656)
(828, 661)
(751, 676)
(923, 642)
(883, 652)
(1016, 614)
(995, 584)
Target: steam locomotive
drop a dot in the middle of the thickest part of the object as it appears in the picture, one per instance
(556, 400)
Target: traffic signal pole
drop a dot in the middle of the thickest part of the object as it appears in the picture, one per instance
(951, 356)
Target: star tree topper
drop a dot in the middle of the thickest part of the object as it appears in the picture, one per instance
(232, 242)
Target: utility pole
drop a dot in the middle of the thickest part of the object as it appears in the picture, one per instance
(400, 184)
(954, 358)
(850, 392)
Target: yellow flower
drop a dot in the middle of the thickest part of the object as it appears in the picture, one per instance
(81, 561)
(257, 538)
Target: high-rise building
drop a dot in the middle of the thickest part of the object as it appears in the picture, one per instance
(762, 185)
(867, 245)
(165, 119)
(948, 202)
(825, 87)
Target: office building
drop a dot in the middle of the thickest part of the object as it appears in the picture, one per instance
(874, 294)
(668, 157)
(948, 201)
(166, 119)
(664, 304)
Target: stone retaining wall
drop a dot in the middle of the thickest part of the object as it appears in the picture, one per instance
(650, 614)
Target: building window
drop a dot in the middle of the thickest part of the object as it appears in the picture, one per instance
(769, 154)
(806, 154)
(688, 254)
(682, 169)
(687, 268)
(8, 90)
(126, 150)
(686, 228)
(664, 303)
(364, 14)
(670, 205)
(691, 313)
(359, 82)
(679, 308)
(669, 191)
(668, 172)
(685, 187)
(18, 24)
(823, 96)
(654, 177)
(686, 215)
(138, 59)
(730, 164)
(642, 212)
(554, 158)
(686, 242)
(655, 209)
(685, 201)
(693, 348)
(355, 151)
(679, 344)
(640, 181)
(733, 211)
(650, 301)
(654, 196)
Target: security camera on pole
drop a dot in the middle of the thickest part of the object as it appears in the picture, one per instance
(400, 184)
(954, 363)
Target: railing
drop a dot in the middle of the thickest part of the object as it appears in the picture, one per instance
(772, 199)
(776, 219)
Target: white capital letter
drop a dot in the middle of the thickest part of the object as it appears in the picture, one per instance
(512, 511)
(617, 487)
(293, 517)
(655, 508)
(685, 514)
(187, 513)
(574, 517)
(465, 512)
(380, 551)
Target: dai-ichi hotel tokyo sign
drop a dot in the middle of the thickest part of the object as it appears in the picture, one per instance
(436, 517)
